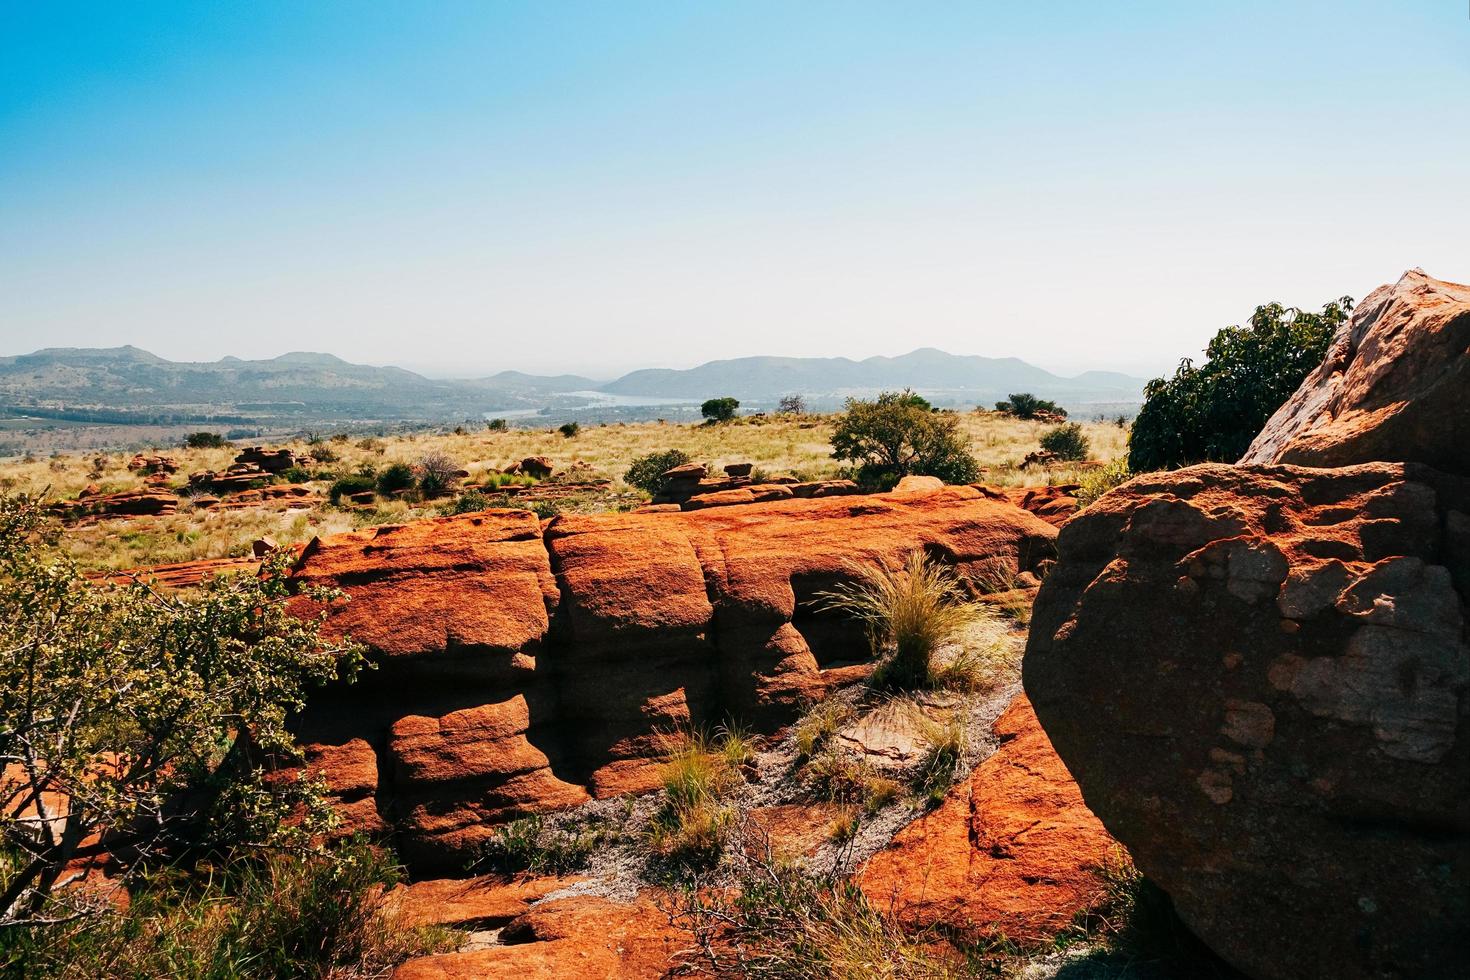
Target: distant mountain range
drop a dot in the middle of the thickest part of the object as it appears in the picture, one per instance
(126, 384)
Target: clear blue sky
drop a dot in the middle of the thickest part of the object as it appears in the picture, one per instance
(597, 186)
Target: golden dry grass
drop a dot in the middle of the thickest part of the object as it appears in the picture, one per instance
(795, 445)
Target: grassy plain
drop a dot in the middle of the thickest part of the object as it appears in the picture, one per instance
(795, 445)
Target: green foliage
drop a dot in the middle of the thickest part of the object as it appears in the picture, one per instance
(569, 430)
(1067, 441)
(1027, 406)
(1213, 411)
(909, 612)
(536, 845)
(898, 435)
(296, 474)
(346, 486)
(694, 823)
(1099, 481)
(205, 440)
(497, 425)
(277, 915)
(120, 706)
(466, 503)
(647, 472)
(719, 409)
(394, 478)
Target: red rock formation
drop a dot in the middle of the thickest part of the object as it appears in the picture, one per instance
(1395, 385)
(1053, 504)
(1258, 676)
(144, 502)
(155, 465)
(1012, 851)
(525, 671)
(185, 574)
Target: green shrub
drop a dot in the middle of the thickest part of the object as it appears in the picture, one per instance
(647, 472)
(1099, 481)
(536, 845)
(497, 425)
(1067, 441)
(569, 430)
(719, 409)
(346, 486)
(466, 503)
(438, 474)
(1213, 411)
(898, 434)
(296, 474)
(394, 478)
(205, 440)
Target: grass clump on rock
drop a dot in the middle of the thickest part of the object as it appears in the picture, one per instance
(694, 823)
(910, 612)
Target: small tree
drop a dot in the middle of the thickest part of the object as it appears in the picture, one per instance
(792, 405)
(719, 409)
(438, 474)
(205, 440)
(1067, 441)
(898, 435)
(647, 472)
(569, 429)
(496, 425)
(119, 707)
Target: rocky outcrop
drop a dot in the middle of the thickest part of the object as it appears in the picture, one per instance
(144, 502)
(1053, 504)
(536, 467)
(1258, 676)
(524, 670)
(270, 460)
(1394, 386)
(153, 465)
(1012, 851)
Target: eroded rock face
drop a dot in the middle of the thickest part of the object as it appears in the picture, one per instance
(1394, 386)
(1011, 851)
(526, 670)
(1258, 676)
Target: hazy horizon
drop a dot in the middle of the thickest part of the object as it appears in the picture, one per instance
(459, 188)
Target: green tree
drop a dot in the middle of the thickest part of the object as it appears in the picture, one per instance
(897, 435)
(394, 478)
(719, 409)
(569, 430)
(647, 472)
(1067, 441)
(205, 440)
(1214, 410)
(123, 711)
(1025, 405)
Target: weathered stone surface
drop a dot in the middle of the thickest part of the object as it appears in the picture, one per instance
(1258, 676)
(525, 669)
(1053, 504)
(468, 903)
(1011, 851)
(151, 501)
(912, 484)
(1395, 385)
(569, 937)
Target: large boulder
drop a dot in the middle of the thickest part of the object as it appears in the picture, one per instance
(524, 670)
(1395, 385)
(1258, 676)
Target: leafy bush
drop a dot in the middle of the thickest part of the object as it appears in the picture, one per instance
(537, 846)
(138, 697)
(647, 472)
(296, 474)
(466, 503)
(346, 486)
(205, 440)
(497, 425)
(719, 409)
(323, 453)
(792, 405)
(394, 478)
(1213, 411)
(569, 430)
(1067, 441)
(898, 434)
(437, 474)
(276, 915)
(910, 612)
(1100, 481)
(1027, 406)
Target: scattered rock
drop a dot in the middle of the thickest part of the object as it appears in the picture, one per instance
(918, 484)
(537, 467)
(144, 502)
(154, 465)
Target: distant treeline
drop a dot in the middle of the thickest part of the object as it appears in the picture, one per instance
(117, 416)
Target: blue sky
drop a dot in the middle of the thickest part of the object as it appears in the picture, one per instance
(599, 186)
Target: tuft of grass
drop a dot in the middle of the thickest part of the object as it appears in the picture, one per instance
(910, 611)
(1097, 482)
(850, 782)
(694, 824)
(819, 724)
(534, 845)
(946, 744)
